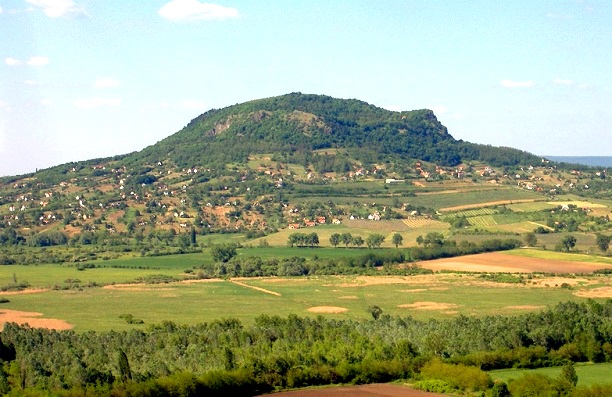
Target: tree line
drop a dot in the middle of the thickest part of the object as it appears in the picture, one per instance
(226, 356)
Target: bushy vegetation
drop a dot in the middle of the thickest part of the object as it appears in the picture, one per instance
(274, 352)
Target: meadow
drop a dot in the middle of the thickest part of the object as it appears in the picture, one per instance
(441, 295)
(588, 374)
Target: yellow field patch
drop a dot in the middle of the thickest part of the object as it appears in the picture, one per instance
(327, 309)
(579, 204)
(428, 306)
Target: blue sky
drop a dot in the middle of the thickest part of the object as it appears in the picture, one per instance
(83, 79)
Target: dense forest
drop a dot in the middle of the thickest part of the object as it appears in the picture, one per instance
(227, 356)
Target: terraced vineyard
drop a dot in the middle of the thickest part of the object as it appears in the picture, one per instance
(482, 221)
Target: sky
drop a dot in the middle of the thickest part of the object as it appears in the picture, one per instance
(85, 79)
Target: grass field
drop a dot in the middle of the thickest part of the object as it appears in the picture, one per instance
(588, 374)
(430, 296)
(442, 295)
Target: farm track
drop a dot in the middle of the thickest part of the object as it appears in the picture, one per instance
(267, 291)
(374, 390)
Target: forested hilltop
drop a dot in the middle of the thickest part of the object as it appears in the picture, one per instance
(296, 124)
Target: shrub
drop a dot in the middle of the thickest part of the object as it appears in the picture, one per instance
(434, 386)
(461, 376)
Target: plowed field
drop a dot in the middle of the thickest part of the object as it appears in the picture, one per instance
(500, 262)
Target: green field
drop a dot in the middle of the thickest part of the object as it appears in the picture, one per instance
(588, 374)
(435, 296)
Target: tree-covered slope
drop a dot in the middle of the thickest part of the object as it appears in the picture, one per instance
(302, 123)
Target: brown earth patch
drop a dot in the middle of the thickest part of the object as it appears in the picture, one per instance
(25, 291)
(413, 290)
(203, 280)
(500, 262)
(602, 292)
(350, 297)
(524, 307)
(557, 281)
(428, 306)
(375, 390)
(32, 319)
(327, 309)
(366, 281)
(284, 280)
(137, 287)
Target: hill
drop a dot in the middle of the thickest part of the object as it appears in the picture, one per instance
(297, 124)
(287, 162)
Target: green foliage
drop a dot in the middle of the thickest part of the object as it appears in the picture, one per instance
(460, 377)
(397, 240)
(568, 375)
(375, 311)
(500, 389)
(223, 252)
(303, 239)
(568, 242)
(530, 239)
(603, 242)
(276, 352)
(375, 240)
(435, 386)
(435, 239)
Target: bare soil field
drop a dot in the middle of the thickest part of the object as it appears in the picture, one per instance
(33, 319)
(602, 292)
(500, 262)
(375, 390)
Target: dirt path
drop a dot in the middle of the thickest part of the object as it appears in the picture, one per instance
(267, 291)
(375, 390)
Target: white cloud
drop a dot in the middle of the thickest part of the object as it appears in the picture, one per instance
(106, 83)
(96, 102)
(193, 10)
(12, 61)
(516, 84)
(194, 105)
(0, 10)
(46, 102)
(38, 61)
(58, 8)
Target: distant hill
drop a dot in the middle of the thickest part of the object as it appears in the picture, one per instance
(267, 165)
(299, 123)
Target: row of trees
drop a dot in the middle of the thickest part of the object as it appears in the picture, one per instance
(276, 352)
